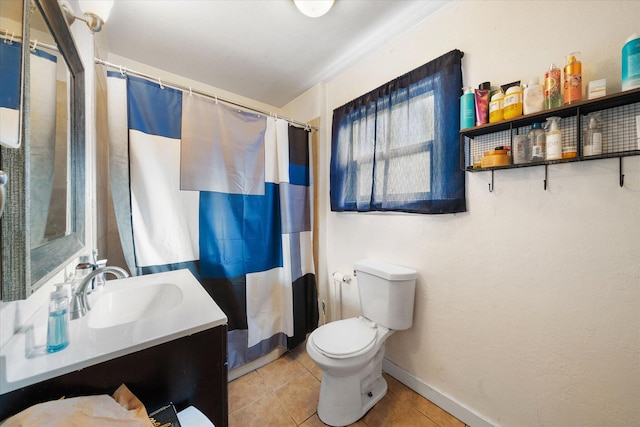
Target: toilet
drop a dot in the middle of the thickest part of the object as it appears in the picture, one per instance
(349, 352)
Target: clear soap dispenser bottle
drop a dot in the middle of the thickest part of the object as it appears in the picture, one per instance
(593, 143)
(537, 142)
(554, 139)
(58, 324)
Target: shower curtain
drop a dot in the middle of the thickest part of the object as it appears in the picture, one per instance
(10, 53)
(227, 194)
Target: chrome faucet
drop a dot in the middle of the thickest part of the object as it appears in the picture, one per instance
(80, 302)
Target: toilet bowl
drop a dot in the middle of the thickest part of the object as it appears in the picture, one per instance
(345, 346)
(352, 379)
(350, 352)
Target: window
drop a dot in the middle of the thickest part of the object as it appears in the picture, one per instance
(397, 147)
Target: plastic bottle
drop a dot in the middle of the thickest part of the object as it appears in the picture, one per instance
(467, 109)
(513, 102)
(58, 323)
(537, 142)
(520, 150)
(631, 63)
(593, 143)
(481, 97)
(533, 97)
(496, 113)
(554, 139)
(552, 93)
(83, 268)
(572, 79)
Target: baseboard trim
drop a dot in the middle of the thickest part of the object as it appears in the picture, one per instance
(456, 409)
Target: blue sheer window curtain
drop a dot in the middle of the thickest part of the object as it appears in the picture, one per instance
(397, 147)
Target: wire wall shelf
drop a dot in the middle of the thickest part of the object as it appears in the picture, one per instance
(619, 119)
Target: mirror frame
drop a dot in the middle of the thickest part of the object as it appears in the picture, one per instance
(24, 269)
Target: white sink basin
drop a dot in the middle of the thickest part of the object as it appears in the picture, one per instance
(130, 304)
(127, 315)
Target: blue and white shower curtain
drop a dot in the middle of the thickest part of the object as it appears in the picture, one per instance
(10, 54)
(227, 194)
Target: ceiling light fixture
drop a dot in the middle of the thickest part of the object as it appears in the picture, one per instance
(314, 8)
(95, 13)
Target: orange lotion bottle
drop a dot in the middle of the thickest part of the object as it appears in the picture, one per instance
(572, 79)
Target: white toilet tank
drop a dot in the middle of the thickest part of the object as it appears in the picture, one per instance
(387, 293)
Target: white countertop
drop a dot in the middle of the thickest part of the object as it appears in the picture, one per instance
(24, 361)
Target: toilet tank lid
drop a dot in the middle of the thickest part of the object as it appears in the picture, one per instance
(385, 270)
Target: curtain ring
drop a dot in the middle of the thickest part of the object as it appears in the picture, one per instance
(216, 98)
(35, 45)
(10, 41)
(160, 83)
(123, 71)
(190, 91)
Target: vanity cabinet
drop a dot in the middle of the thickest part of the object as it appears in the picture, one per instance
(620, 114)
(189, 371)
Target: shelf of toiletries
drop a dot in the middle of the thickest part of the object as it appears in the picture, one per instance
(615, 117)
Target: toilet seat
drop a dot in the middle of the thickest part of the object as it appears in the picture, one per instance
(345, 338)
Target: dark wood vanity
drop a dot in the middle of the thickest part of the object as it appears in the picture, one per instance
(189, 371)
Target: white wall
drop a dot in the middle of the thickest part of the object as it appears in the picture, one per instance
(527, 308)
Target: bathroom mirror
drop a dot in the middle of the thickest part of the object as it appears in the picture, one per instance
(11, 72)
(48, 135)
(43, 223)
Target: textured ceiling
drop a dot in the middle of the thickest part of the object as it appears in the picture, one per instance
(261, 49)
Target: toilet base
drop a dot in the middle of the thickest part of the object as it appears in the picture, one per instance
(344, 400)
(340, 411)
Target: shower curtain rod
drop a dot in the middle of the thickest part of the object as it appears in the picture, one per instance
(125, 70)
(33, 44)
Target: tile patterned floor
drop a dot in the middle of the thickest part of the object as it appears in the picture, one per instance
(285, 393)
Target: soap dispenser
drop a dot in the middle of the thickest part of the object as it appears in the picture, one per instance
(58, 323)
(537, 142)
(593, 143)
(554, 139)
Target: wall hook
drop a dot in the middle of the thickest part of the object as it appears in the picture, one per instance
(491, 183)
(621, 174)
